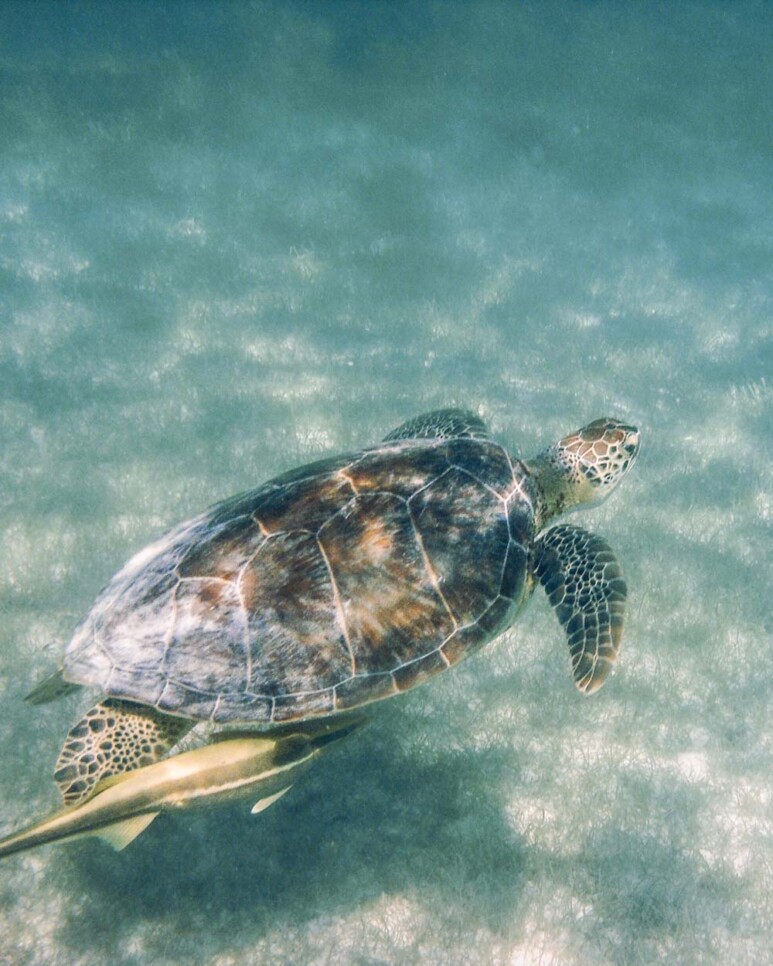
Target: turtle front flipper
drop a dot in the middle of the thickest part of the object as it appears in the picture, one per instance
(585, 585)
(441, 424)
(112, 738)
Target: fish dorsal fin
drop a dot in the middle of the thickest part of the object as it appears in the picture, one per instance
(123, 833)
(264, 803)
(441, 424)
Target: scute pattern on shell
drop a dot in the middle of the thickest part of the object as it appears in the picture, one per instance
(329, 587)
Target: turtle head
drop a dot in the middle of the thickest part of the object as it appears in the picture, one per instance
(582, 469)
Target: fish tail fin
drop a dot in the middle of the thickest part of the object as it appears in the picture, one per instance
(56, 828)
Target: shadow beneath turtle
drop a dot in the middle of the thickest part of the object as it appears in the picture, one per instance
(387, 839)
(376, 816)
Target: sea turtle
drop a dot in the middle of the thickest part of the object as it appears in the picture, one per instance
(341, 583)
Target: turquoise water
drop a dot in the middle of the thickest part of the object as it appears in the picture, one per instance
(234, 238)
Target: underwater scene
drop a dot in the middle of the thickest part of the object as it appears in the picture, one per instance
(237, 238)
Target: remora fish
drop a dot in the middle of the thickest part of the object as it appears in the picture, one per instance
(232, 767)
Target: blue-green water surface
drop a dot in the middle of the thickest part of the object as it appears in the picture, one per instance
(235, 237)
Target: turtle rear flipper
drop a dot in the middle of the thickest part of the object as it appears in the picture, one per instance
(585, 585)
(51, 688)
(112, 738)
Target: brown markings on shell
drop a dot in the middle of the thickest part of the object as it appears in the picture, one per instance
(304, 504)
(296, 641)
(213, 593)
(376, 541)
(392, 611)
(271, 641)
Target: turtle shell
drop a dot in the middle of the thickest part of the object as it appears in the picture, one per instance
(332, 586)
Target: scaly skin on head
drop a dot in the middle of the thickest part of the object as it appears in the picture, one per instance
(582, 469)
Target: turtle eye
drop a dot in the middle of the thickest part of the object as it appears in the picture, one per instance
(631, 448)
